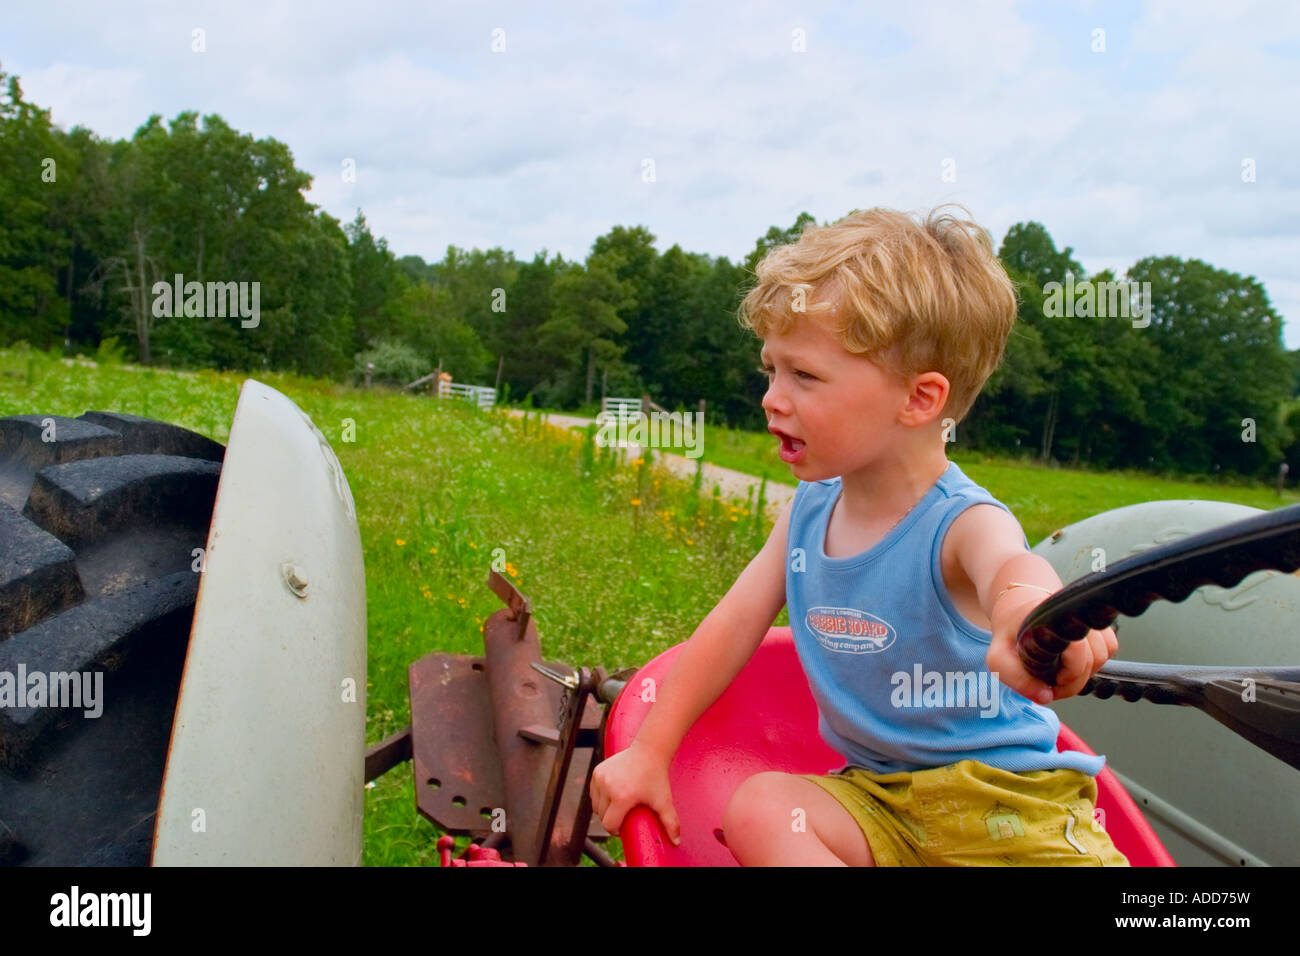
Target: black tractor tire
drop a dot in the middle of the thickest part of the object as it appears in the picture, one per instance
(103, 519)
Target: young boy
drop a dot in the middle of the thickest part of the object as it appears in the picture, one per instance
(906, 581)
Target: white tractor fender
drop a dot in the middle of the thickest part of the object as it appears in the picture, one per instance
(266, 760)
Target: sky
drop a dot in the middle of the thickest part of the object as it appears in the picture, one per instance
(1126, 129)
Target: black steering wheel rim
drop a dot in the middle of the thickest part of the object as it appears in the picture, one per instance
(1222, 556)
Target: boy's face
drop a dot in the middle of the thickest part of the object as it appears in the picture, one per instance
(834, 411)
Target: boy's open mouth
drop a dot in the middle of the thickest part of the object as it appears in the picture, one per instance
(791, 447)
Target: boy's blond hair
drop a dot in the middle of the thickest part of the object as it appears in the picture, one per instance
(915, 297)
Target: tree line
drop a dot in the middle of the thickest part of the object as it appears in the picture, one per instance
(90, 228)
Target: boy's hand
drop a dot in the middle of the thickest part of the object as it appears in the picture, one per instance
(630, 778)
(1081, 659)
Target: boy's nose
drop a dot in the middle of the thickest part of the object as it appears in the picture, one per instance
(774, 400)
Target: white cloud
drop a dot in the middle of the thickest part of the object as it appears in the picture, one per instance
(95, 97)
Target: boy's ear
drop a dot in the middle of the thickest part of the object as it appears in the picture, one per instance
(926, 400)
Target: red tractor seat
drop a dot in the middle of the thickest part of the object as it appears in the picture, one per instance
(767, 720)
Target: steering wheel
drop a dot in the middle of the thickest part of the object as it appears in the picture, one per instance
(1269, 716)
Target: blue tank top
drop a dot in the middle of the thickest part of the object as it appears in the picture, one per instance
(898, 673)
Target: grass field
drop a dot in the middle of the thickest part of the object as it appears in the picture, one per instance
(620, 560)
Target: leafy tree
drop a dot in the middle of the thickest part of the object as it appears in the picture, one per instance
(478, 283)
(996, 419)
(395, 363)
(1028, 249)
(416, 269)
(583, 331)
(1029, 252)
(670, 333)
(427, 320)
(313, 333)
(650, 328)
(1221, 365)
(377, 283)
(529, 307)
(135, 255)
(82, 213)
(32, 245)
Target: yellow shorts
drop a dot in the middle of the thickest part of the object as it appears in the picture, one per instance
(971, 814)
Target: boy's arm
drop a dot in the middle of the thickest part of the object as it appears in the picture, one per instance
(989, 546)
(725, 640)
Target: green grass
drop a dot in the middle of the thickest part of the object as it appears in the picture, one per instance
(620, 561)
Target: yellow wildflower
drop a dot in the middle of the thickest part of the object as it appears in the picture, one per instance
(433, 550)
(399, 542)
(636, 501)
(473, 545)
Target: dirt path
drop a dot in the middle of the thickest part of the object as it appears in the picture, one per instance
(731, 484)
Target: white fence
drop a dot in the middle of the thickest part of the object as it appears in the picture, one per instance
(482, 395)
(617, 408)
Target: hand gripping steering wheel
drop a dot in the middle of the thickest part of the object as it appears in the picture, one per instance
(1268, 716)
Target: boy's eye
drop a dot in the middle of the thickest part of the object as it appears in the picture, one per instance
(768, 370)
